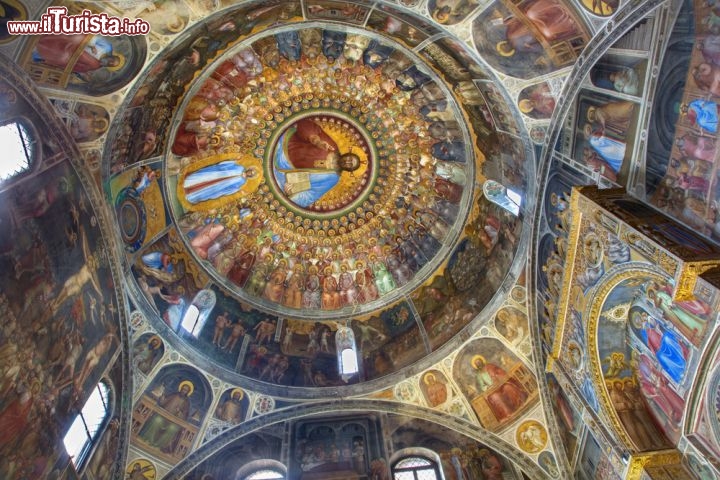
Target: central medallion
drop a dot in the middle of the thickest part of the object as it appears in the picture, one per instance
(319, 188)
(321, 163)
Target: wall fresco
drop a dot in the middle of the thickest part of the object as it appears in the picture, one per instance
(61, 315)
(495, 382)
(167, 418)
(529, 38)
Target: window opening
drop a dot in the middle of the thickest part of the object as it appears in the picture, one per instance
(347, 352)
(502, 196)
(18, 147)
(189, 321)
(265, 474)
(84, 429)
(415, 468)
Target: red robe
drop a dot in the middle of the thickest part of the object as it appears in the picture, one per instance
(57, 50)
(300, 150)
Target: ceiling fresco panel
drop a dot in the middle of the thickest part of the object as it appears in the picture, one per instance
(104, 64)
(530, 38)
(139, 205)
(496, 382)
(167, 418)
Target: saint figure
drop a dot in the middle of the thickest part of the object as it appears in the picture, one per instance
(308, 163)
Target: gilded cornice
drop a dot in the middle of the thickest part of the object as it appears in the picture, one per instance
(638, 463)
(573, 237)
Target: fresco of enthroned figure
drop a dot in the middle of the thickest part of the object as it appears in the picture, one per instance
(497, 383)
(527, 39)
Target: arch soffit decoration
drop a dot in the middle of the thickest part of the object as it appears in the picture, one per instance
(464, 427)
(593, 310)
(628, 15)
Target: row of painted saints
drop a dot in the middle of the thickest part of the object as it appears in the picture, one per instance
(332, 181)
(688, 190)
(173, 407)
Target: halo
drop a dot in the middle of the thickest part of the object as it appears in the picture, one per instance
(177, 26)
(120, 65)
(105, 124)
(155, 337)
(500, 47)
(475, 359)
(427, 376)
(636, 319)
(591, 113)
(189, 384)
(238, 390)
(440, 16)
(526, 105)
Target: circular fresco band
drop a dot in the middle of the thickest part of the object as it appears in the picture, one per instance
(312, 185)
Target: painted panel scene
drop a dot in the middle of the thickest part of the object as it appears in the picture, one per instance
(529, 38)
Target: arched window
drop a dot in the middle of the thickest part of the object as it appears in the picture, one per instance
(86, 427)
(416, 468)
(197, 313)
(18, 146)
(347, 352)
(264, 469)
(265, 474)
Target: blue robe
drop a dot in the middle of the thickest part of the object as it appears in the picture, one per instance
(612, 151)
(706, 114)
(669, 354)
(321, 180)
(214, 181)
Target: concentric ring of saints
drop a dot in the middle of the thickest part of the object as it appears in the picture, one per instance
(311, 180)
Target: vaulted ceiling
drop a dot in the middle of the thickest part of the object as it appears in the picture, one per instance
(291, 221)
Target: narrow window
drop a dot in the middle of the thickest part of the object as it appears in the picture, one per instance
(18, 148)
(347, 352)
(348, 359)
(197, 313)
(84, 429)
(190, 320)
(502, 196)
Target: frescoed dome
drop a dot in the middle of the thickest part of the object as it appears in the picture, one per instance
(327, 174)
(317, 174)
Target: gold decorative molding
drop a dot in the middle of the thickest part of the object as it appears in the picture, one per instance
(638, 463)
(563, 300)
(689, 274)
(593, 315)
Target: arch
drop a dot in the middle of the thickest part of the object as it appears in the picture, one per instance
(251, 470)
(348, 406)
(620, 420)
